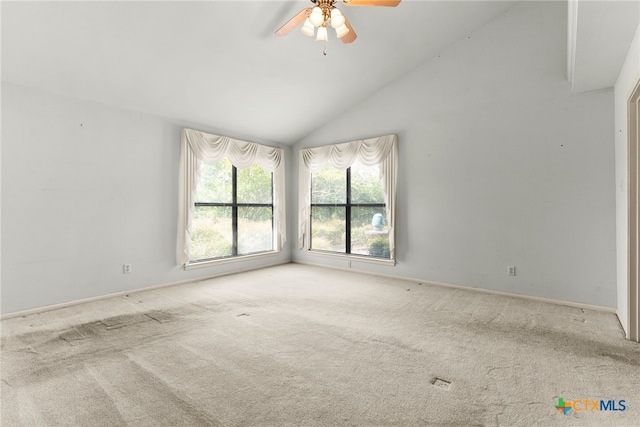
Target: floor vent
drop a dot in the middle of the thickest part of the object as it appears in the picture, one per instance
(443, 384)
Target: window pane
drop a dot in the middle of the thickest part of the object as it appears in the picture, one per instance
(329, 186)
(328, 228)
(211, 233)
(369, 232)
(255, 230)
(365, 184)
(215, 182)
(254, 185)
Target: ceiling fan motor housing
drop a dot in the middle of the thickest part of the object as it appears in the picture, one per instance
(325, 6)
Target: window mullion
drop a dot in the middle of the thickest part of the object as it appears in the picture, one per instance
(234, 210)
(348, 213)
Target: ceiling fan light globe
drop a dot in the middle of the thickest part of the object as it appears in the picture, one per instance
(342, 31)
(307, 29)
(322, 34)
(316, 17)
(337, 18)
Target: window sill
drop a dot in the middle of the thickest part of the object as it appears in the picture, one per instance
(230, 260)
(358, 258)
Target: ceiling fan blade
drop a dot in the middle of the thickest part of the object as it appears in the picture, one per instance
(351, 36)
(387, 3)
(294, 22)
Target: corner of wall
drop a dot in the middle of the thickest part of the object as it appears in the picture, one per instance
(629, 75)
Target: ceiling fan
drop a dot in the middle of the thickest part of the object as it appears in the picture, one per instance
(325, 14)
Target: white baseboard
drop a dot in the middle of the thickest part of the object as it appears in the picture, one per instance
(391, 276)
(622, 325)
(468, 288)
(129, 292)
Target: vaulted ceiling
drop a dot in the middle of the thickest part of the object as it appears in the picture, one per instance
(219, 63)
(599, 36)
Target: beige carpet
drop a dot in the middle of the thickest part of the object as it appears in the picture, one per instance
(303, 346)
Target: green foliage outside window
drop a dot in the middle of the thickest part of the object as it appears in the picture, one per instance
(380, 247)
(215, 182)
(328, 222)
(212, 227)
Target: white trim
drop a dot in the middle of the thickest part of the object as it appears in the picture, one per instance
(230, 260)
(626, 335)
(52, 307)
(353, 257)
(633, 215)
(391, 276)
(611, 310)
(572, 36)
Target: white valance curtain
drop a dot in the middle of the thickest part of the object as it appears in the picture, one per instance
(197, 147)
(382, 151)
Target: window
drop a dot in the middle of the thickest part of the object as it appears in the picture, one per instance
(231, 199)
(348, 210)
(233, 211)
(347, 198)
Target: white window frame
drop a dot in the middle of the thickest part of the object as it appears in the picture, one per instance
(197, 147)
(381, 151)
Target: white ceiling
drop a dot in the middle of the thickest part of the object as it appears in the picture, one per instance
(219, 63)
(600, 34)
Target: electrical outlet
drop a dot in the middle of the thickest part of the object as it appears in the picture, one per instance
(348, 264)
(126, 268)
(511, 270)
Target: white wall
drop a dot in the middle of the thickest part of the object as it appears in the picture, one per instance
(499, 165)
(85, 189)
(629, 76)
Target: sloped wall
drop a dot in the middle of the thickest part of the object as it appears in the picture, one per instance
(499, 165)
